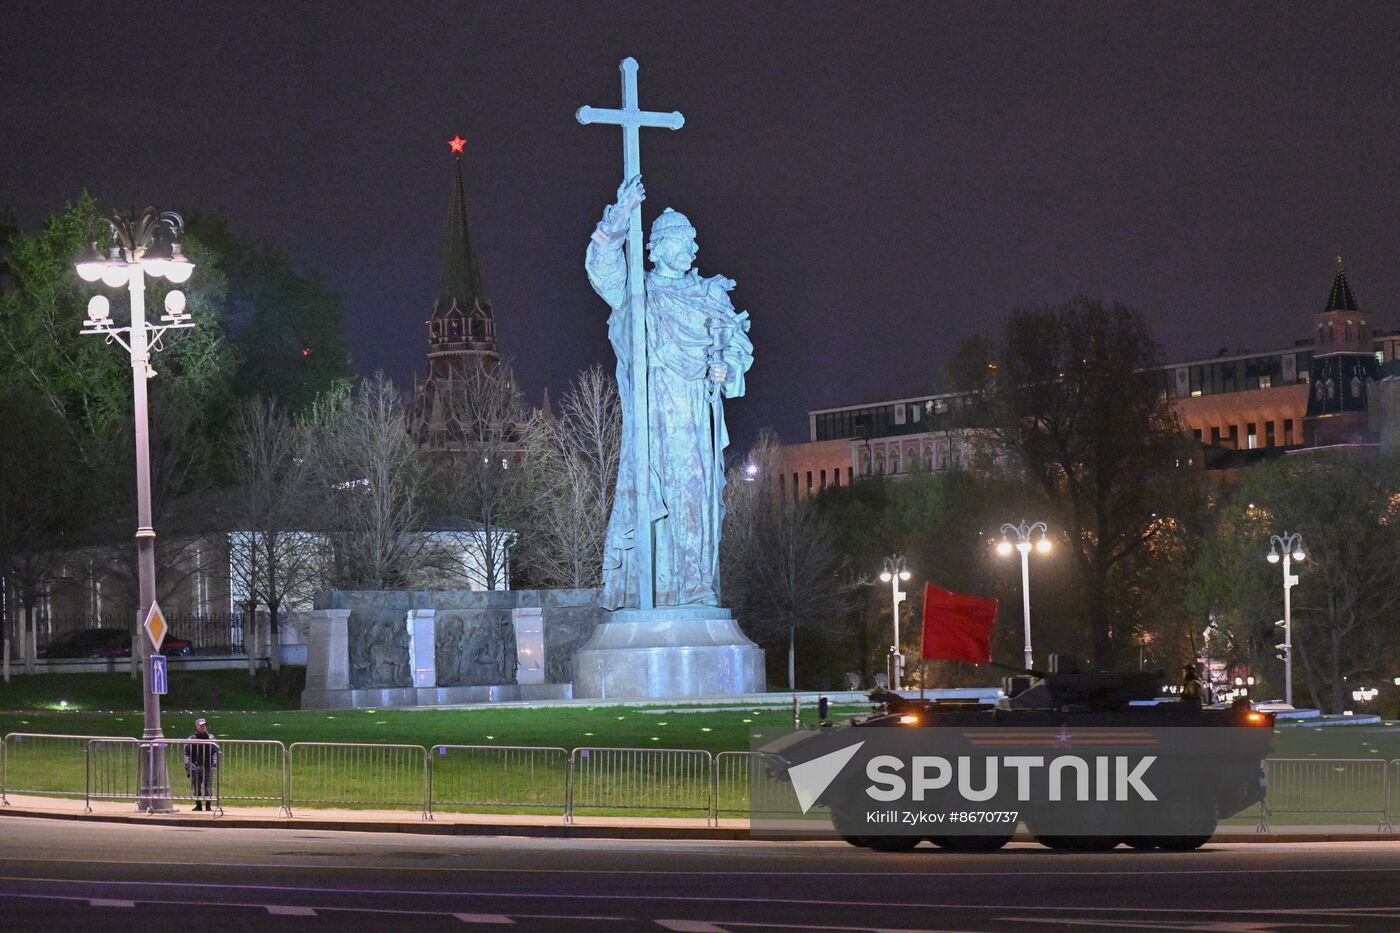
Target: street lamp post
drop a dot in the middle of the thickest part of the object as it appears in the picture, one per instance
(1023, 534)
(142, 245)
(895, 571)
(1287, 548)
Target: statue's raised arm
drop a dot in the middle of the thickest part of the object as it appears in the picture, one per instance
(605, 261)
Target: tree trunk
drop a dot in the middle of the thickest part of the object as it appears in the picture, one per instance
(1339, 698)
(792, 657)
(250, 638)
(1099, 622)
(274, 640)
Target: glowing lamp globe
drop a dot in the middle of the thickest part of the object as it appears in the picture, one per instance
(886, 577)
(1043, 545)
(175, 302)
(178, 268)
(89, 264)
(1004, 547)
(1273, 557)
(1298, 555)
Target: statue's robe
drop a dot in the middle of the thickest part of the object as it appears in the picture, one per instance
(686, 484)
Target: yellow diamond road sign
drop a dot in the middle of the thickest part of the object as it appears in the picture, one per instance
(155, 626)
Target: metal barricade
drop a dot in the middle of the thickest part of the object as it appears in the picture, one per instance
(660, 779)
(339, 774)
(113, 770)
(746, 786)
(733, 783)
(1392, 776)
(517, 777)
(177, 755)
(1327, 785)
(253, 771)
(47, 765)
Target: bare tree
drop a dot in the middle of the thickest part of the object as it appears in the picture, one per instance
(777, 565)
(579, 474)
(369, 487)
(275, 557)
(489, 475)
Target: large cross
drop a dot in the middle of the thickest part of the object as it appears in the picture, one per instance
(632, 119)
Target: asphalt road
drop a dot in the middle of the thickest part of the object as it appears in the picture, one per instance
(66, 875)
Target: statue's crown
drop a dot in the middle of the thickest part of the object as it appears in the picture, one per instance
(670, 223)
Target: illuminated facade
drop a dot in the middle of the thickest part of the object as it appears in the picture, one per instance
(1314, 393)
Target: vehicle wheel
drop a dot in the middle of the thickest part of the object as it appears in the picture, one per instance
(860, 842)
(1142, 843)
(970, 843)
(1182, 843)
(892, 843)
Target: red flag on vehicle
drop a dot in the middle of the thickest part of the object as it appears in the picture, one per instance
(957, 627)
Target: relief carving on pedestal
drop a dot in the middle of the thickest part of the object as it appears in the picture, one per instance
(475, 649)
(379, 650)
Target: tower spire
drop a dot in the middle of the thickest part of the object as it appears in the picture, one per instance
(1340, 298)
(462, 330)
(461, 276)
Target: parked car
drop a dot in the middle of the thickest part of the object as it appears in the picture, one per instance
(104, 643)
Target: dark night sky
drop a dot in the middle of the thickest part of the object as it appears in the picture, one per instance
(882, 179)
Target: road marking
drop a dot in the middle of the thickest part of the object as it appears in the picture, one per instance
(105, 902)
(1203, 926)
(483, 918)
(874, 872)
(339, 909)
(288, 910)
(690, 926)
(580, 895)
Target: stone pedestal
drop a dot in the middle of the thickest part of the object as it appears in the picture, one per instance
(327, 659)
(422, 654)
(529, 645)
(679, 651)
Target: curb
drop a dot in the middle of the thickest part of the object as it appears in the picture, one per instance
(575, 831)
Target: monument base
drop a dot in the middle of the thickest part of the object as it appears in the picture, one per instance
(676, 651)
(382, 697)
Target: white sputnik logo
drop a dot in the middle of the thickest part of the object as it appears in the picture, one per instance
(811, 778)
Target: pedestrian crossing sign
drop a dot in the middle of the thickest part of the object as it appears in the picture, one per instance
(155, 626)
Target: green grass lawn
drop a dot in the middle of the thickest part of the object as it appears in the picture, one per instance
(231, 689)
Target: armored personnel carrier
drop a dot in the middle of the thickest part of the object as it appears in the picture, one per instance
(1213, 774)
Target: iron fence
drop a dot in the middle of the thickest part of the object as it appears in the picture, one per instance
(647, 779)
(342, 774)
(209, 634)
(1327, 785)
(518, 777)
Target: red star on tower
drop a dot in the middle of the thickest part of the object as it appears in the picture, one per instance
(457, 143)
